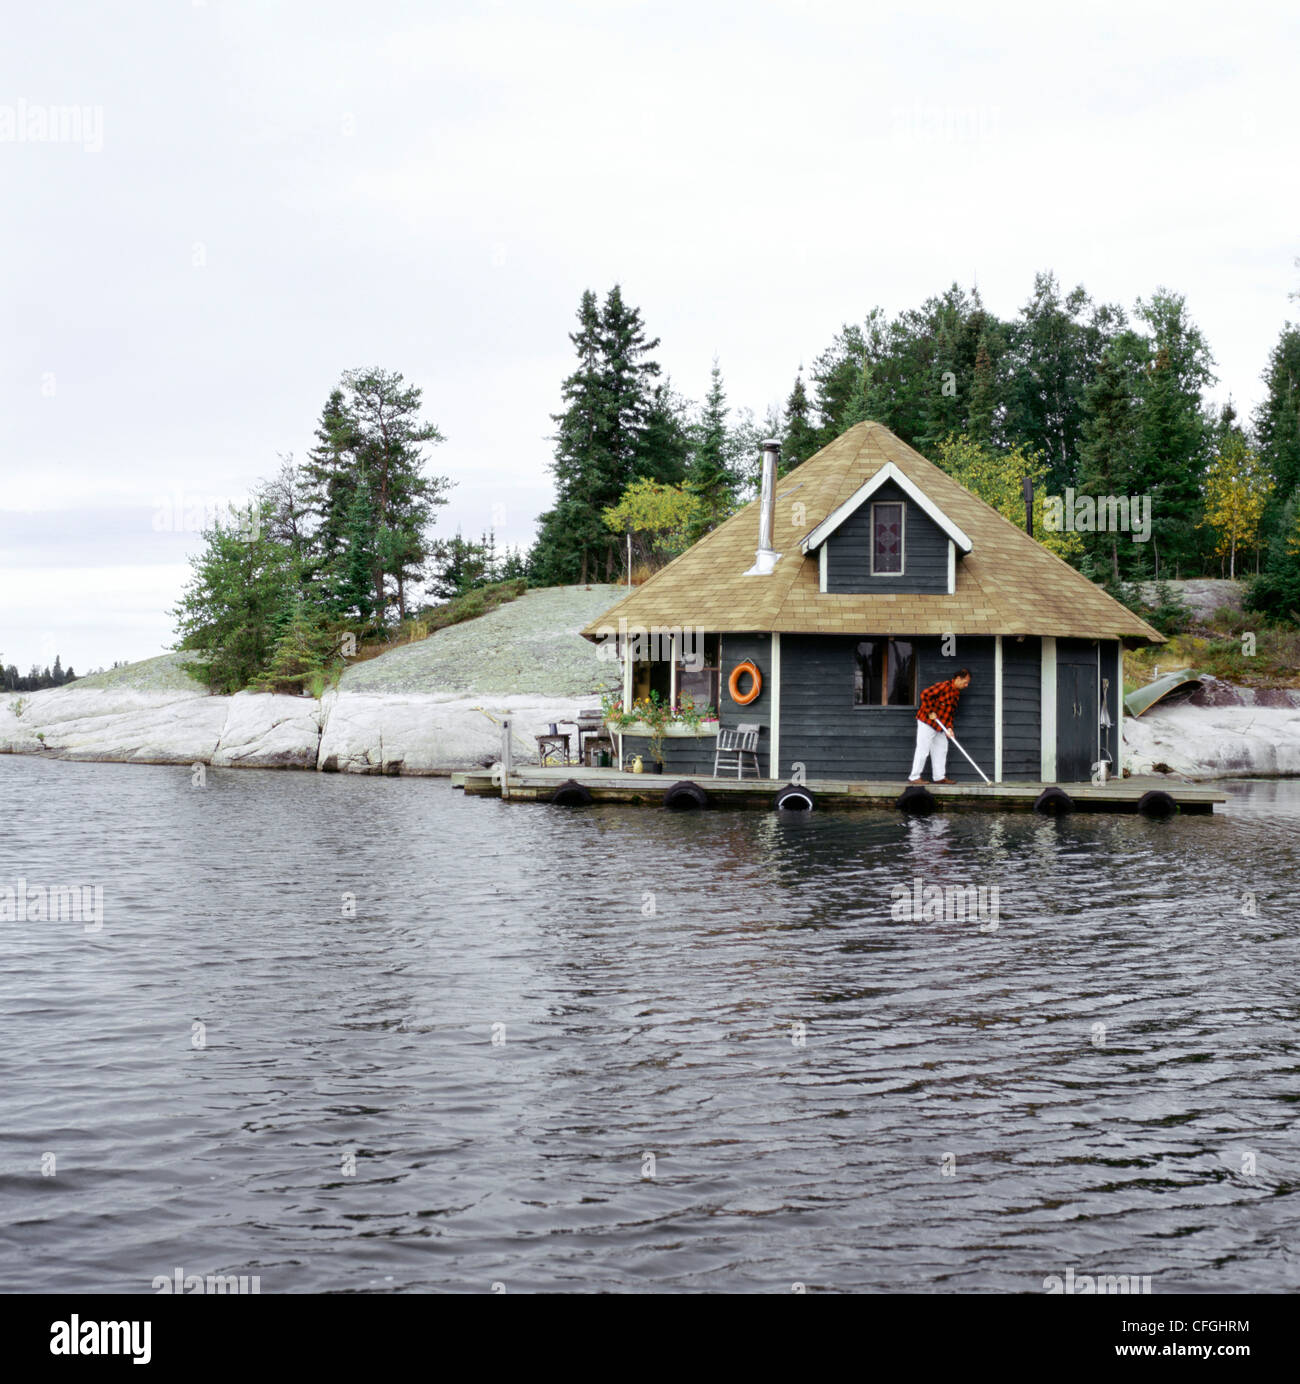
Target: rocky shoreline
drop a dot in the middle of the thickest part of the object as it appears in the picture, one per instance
(435, 707)
(1221, 731)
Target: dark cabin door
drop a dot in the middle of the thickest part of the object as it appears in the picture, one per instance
(1076, 721)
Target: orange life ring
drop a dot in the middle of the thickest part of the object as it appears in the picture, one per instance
(734, 682)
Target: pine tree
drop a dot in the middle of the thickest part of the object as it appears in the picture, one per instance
(569, 536)
(1056, 345)
(328, 483)
(236, 596)
(836, 376)
(290, 509)
(628, 372)
(301, 655)
(798, 436)
(665, 447)
(1109, 443)
(1276, 591)
(710, 478)
(464, 565)
(1173, 430)
(1277, 419)
(351, 578)
(605, 439)
(389, 437)
(983, 397)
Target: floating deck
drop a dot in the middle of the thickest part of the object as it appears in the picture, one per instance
(529, 783)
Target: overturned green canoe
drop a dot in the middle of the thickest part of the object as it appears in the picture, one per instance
(1179, 685)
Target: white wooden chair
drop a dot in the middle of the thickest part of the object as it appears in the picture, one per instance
(733, 746)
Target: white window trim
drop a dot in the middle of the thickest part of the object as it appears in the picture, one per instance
(774, 714)
(952, 568)
(888, 472)
(1096, 754)
(902, 539)
(1047, 712)
(1117, 768)
(823, 558)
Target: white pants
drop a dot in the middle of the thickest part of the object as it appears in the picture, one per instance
(930, 740)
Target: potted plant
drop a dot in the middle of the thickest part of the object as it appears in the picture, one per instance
(655, 714)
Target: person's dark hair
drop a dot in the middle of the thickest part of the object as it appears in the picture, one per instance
(961, 673)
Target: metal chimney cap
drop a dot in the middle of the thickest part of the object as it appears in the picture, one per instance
(771, 445)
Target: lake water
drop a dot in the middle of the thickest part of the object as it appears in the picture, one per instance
(833, 1094)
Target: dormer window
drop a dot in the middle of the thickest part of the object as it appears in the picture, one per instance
(886, 539)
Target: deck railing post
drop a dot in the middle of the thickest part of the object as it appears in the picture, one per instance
(505, 757)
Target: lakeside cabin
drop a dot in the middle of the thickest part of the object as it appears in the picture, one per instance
(851, 584)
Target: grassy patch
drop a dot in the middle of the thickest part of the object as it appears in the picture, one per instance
(420, 625)
(1222, 652)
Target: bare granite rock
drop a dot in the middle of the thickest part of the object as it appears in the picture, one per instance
(1201, 742)
(1201, 595)
(426, 708)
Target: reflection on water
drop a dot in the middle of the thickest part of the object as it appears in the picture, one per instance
(437, 1039)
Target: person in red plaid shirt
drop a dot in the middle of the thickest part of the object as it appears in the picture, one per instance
(938, 704)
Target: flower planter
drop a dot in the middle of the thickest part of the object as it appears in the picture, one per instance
(673, 732)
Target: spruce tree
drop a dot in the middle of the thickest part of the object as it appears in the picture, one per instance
(299, 661)
(234, 601)
(607, 436)
(328, 483)
(351, 577)
(665, 443)
(1056, 344)
(1173, 431)
(710, 478)
(983, 396)
(1109, 445)
(798, 435)
(1277, 419)
(1276, 591)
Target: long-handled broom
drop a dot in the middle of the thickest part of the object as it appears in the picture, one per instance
(958, 743)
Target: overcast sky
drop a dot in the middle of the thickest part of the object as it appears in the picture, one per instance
(262, 195)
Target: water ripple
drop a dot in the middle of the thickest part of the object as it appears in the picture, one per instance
(366, 1035)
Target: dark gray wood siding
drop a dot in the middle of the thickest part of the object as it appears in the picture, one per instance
(1022, 707)
(683, 757)
(691, 756)
(925, 551)
(824, 731)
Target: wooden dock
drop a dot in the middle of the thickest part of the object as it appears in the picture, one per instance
(529, 783)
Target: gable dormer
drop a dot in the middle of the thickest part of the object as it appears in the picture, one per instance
(888, 537)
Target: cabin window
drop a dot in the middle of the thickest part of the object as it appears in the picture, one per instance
(884, 672)
(886, 538)
(698, 674)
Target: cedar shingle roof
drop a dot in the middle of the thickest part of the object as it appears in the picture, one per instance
(1007, 584)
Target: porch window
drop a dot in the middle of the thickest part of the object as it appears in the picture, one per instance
(700, 679)
(884, 672)
(886, 539)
